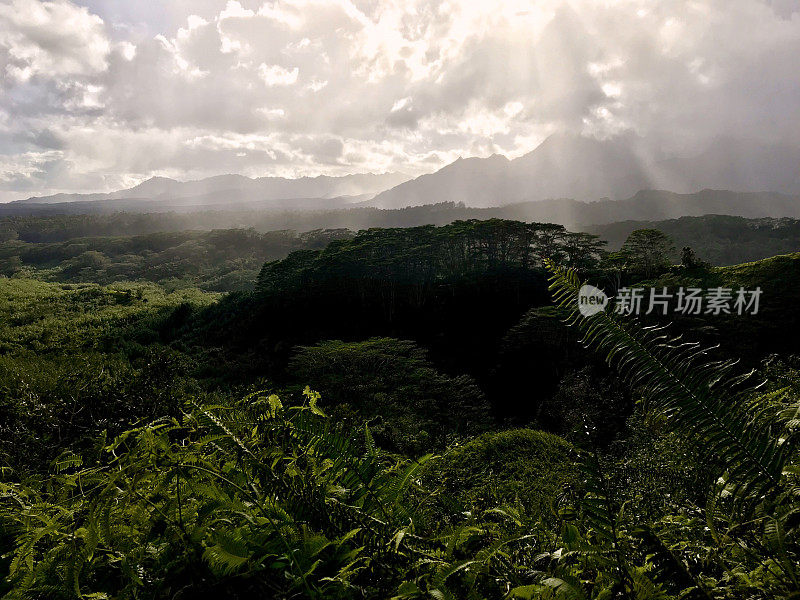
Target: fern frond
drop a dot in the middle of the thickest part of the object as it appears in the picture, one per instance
(700, 397)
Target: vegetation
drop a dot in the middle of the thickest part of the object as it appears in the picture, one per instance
(217, 260)
(521, 467)
(78, 359)
(396, 413)
(420, 256)
(751, 437)
(411, 407)
(645, 253)
(719, 239)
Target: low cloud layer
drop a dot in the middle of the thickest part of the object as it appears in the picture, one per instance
(99, 95)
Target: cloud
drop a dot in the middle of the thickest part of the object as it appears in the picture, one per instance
(104, 93)
(50, 40)
(277, 75)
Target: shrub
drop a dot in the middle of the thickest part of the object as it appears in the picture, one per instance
(414, 406)
(523, 465)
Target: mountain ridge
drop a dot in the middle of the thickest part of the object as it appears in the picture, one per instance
(260, 188)
(585, 169)
(563, 166)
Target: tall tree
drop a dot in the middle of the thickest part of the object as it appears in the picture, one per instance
(647, 251)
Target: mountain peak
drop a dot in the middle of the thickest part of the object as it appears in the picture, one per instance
(225, 189)
(157, 179)
(570, 165)
(154, 182)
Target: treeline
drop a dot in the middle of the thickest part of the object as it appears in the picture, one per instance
(455, 290)
(62, 227)
(462, 291)
(424, 255)
(217, 260)
(720, 239)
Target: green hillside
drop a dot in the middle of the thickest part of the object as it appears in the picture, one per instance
(395, 413)
(719, 239)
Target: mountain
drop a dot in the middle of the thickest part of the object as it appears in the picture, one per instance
(222, 189)
(475, 181)
(587, 169)
(580, 168)
(653, 205)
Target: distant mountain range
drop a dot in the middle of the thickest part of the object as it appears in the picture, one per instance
(226, 189)
(581, 168)
(567, 173)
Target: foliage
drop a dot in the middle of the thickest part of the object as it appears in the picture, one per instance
(690, 260)
(422, 255)
(49, 405)
(243, 500)
(162, 486)
(40, 318)
(454, 290)
(587, 397)
(718, 238)
(411, 407)
(216, 260)
(518, 466)
(77, 359)
(774, 329)
(750, 546)
(646, 252)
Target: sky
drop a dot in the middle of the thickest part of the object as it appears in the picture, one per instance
(98, 95)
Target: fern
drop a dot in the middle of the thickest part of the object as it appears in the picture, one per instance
(754, 435)
(697, 396)
(252, 492)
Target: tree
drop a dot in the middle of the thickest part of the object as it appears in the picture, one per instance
(647, 251)
(414, 406)
(690, 260)
(498, 468)
(92, 260)
(582, 250)
(286, 273)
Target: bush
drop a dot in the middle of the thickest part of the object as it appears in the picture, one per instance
(48, 405)
(246, 500)
(523, 465)
(414, 407)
